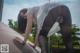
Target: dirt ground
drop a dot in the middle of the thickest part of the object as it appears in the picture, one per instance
(61, 50)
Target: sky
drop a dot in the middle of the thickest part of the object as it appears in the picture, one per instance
(12, 7)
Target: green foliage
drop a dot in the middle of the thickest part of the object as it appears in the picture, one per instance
(74, 29)
(57, 40)
(10, 23)
(13, 24)
(31, 38)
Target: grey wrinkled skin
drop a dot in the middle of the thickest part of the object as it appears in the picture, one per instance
(65, 25)
(8, 35)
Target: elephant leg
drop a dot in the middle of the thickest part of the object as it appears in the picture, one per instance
(66, 29)
(43, 43)
(67, 38)
(65, 24)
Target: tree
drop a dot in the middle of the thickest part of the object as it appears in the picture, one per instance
(74, 30)
(10, 23)
(13, 24)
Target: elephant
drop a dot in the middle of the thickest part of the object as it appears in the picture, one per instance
(65, 23)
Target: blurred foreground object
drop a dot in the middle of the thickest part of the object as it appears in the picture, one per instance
(7, 36)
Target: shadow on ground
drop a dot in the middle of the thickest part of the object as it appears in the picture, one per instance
(62, 50)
